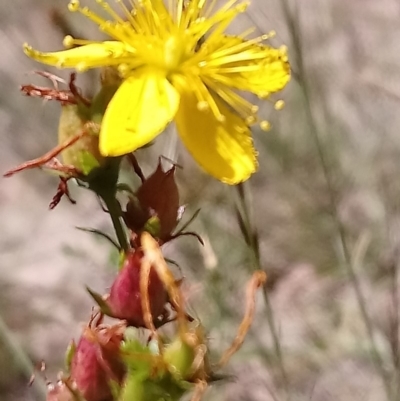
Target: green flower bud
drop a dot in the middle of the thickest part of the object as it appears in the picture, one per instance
(84, 154)
(179, 356)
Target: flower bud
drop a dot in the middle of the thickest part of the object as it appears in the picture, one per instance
(84, 154)
(133, 389)
(97, 361)
(125, 300)
(179, 356)
(156, 205)
(187, 355)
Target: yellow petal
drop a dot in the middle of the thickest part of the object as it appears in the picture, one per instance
(251, 67)
(272, 73)
(83, 57)
(141, 108)
(224, 150)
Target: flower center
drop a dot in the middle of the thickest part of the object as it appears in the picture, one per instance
(170, 56)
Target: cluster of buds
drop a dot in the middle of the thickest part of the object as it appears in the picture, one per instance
(110, 362)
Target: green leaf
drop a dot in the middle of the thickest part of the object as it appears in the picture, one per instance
(100, 234)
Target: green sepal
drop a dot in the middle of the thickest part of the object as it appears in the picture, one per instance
(121, 259)
(87, 162)
(100, 302)
(140, 359)
(179, 356)
(133, 389)
(139, 387)
(100, 102)
(153, 226)
(115, 388)
(69, 354)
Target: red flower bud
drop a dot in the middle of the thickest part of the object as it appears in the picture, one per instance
(97, 361)
(125, 301)
(157, 197)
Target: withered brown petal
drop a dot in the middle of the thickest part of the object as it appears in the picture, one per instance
(159, 193)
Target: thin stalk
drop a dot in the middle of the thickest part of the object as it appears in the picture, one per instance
(376, 357)
(394, 276)
(114, 209)
(395, 316)
(22, 361)
(253, 245)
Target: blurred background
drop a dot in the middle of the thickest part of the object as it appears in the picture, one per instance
(325, 204)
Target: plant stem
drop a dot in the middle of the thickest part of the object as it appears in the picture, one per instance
(114, 209)
(253, 244)
(22, 361)
(296, 37)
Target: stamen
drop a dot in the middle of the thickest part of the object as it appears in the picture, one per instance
(264, 95)
(189, 14)
(279, 105)
(69, 42)
(265, 125)
(106, 7)
(127, 14)
(284, 50)
(123, 69)
(234, 70)
(74, 5)
(243, 51)
(205, 99)
(235, 101)
(81, 67)
(222, 19)
(250, 120)
(202, 106)
(270, 35)
(92, 16)
(209, 10)
(179, 11)
(247, 32)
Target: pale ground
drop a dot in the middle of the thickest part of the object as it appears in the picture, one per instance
(351, 61)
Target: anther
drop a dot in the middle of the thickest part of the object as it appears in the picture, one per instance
(242, 7)
(27, 48)
(279, 105)
(264, 95)
(202, 105)
(74, 5)
(68, 41)
(250, 120)
(81, 67)
(123, 69)
(283, 50)
(265, 125)
(269, 35)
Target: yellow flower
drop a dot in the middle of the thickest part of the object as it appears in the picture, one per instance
(177, 63)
